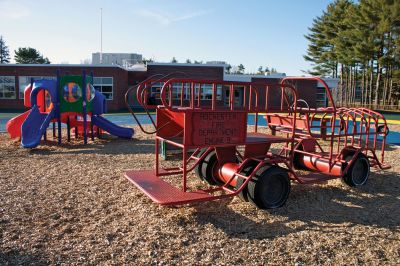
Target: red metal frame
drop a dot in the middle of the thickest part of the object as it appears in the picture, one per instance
(189, 124)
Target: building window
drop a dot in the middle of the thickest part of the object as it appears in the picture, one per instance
(206, 91)
(24, 81)
(104, 85)
(156, 90)
(321, 98)
(176, 90)
(7, 87)
(237, 95)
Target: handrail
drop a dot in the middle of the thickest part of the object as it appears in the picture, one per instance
(127, 101)
(144, 103)
(318, 79)
(141, 88)
(328, 92)
(147, 84)
(246, 108)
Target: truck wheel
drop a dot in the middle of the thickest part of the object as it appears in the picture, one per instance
(208, 170)
(358, 173)
(247, 170)
(269, 188)
(197, 170)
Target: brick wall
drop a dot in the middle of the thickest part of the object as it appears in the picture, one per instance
(194, 72)
(306, 90)
(120, 80)
(123, 79)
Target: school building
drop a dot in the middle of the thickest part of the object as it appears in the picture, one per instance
(114, 80)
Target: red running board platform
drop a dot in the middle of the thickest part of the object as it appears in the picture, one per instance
(162, 192)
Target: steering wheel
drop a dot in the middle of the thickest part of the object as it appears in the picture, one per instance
(381, 130)
(301, 101)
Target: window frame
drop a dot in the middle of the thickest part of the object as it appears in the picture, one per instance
(21, 94)
(99, 86)
(177, 87)
(2, 88)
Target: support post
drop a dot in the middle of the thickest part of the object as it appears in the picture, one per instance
(184, 170)
(157, 153)
(164, 150)
(68, 130)
(91, 121)
(256, 121)
(323, 128)
(92, 129)
(76, 128)
(273, 130)
(58, 112)
(84, 108)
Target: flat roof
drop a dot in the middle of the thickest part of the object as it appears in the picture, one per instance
(186, 64)
(249, 77)
(60, 65)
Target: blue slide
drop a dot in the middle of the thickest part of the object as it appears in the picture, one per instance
(35, 126)
(113, 129)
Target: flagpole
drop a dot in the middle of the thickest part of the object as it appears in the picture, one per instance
(101, 35)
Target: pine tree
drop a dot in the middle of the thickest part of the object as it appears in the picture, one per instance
(260, 71)
(241, 69)
(29, 55)
(358, 42)
(4, 52)
(146, 61)
(228, 69)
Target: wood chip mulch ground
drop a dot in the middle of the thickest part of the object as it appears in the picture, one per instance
(71, 204)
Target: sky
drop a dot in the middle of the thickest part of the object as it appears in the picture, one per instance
(253, 33)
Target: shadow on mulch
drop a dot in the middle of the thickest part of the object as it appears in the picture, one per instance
(375, 204)
(16, 257)
(389, 147)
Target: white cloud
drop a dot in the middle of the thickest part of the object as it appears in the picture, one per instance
(13, 10)
(165, 19)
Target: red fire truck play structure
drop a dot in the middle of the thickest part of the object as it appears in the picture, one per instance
(304, 145)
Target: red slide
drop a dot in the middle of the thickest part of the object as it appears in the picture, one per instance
(13, 125)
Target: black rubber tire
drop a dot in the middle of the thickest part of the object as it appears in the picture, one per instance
(298, 160)
(247, 170)
(207, 170)
(197, 169)
(359, 171)
(269, 188)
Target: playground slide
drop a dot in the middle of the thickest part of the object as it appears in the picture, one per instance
(34, 127)
(113, 129)
(13, 125)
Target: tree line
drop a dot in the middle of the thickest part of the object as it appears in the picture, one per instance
(23, 55)
(359, 43)
(239, 69)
